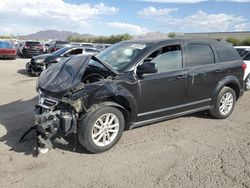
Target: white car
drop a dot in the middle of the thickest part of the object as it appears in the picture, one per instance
(244, 52)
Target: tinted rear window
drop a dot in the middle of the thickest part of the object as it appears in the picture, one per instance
(199, 54)
(226, 52)
(33, 43)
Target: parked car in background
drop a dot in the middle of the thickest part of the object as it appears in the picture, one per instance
(134, 83)
(39, 63)
(87, 45)
(102, 46)
(29, 48)
(244, 52)
(56, 45)
(7, 51)
(46, 47)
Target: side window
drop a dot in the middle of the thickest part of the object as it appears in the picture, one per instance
(74, 52)
(167, 59)
(199, 54)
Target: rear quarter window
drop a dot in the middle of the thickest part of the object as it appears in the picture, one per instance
(226, 52)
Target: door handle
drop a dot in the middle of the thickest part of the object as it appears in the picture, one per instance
(181, 76)
(218, 71)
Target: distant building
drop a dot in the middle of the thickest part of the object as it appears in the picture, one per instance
(219, 35)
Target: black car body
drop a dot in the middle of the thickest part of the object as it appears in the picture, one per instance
(135, 83)
(39, 63)
(30, 49)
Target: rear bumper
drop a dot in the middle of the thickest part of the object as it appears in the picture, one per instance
(31, 53)
(8, 56)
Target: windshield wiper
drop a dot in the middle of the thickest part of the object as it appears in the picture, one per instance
(105, 64)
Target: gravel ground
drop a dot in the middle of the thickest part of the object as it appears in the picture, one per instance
(191, 151)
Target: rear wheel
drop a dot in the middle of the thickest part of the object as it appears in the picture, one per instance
(101, 129)
(224, 104)
(247, 83)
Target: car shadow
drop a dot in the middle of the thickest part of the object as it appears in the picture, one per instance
(17, 117)
(25, 73)
(202, 115)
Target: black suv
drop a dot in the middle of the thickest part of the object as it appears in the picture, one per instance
(56, 45)
(30, 49)
(135, 83)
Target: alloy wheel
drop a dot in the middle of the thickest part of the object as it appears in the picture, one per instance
(226, 103)
(105, 129)
(248, 83)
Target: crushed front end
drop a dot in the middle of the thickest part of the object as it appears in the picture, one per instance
(64, 90)
(35, 67)
(52, 116)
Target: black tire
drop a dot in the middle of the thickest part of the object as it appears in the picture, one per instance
(86, 125)
(247, 83)
(215, 111)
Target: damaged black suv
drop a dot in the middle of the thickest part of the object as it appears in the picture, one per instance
(135, 83)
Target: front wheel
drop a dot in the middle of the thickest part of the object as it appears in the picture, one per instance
(224, 104)
(247, 83)
(101, 129)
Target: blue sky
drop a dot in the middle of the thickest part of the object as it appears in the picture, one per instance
(120, 16)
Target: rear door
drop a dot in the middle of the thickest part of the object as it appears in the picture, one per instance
(204, 73)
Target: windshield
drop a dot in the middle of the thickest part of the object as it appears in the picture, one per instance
(61, 51)
(5, 45)
(122, 54)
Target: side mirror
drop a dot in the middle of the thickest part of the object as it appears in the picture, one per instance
(146, 68)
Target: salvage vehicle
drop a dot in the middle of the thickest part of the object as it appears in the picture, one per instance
(7, 51)
(244, 52)
(29, 48)
(135, 83)
(39, 63)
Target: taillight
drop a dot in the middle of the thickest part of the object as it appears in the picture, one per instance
(244, 67)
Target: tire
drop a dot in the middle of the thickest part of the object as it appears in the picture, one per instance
(228, 97)
(247, 83)
(90, 125)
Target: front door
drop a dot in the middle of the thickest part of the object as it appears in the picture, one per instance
(163, 93)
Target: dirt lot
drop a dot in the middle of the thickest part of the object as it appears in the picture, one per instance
(191, 151)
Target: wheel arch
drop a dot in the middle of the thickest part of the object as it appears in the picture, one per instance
(120, 98)
(229, 81)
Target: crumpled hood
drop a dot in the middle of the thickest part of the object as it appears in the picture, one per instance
(64, 76)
